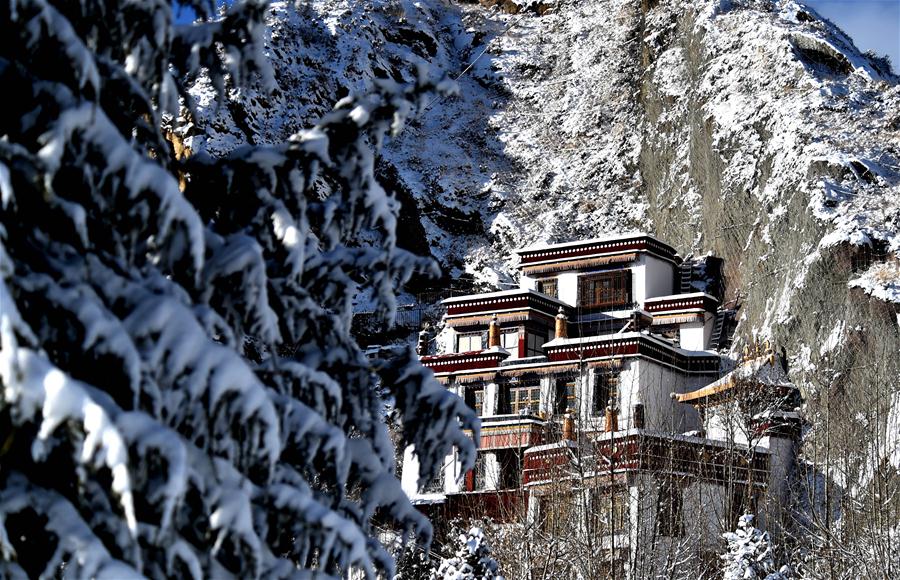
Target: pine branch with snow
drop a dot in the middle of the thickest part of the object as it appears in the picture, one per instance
(413, 562)
(181, 395)
(750, 554)
(472, 560)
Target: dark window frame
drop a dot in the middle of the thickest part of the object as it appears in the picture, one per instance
(472, 399)
(548, 286)
(510, 465)
(567, 395)
(605, 289)
(534, 343)
(601, 522)
(606, 386)
(555, 511)
(479, 478)
(435, 484)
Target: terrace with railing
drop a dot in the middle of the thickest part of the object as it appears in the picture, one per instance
(616, 453)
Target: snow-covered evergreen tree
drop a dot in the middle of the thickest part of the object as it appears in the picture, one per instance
(750, 554)
(181, 395)
(413, 562)
(472, 560)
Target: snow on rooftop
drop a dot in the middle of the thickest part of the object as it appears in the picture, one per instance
(564, 443)
(428, 499)
(681, 297)
(759, 370)
(606, 436)
(557, 342)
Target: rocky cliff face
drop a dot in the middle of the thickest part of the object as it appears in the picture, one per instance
(752, 129)
(778, 150)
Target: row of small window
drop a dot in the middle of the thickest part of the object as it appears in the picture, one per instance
(526, 399)
(606, 290)
(473, 341)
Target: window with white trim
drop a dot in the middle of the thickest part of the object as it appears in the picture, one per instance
(468, 342)
(525, 400)
(510, 341)
(606, 290)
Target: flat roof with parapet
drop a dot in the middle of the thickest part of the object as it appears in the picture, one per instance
(623, 246)
(507, 305)
(501, 294)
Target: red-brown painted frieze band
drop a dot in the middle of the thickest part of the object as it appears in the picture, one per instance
(451, 363)
(597, 248)
(546, 464)
(503, 303)
(518, 438)
(659, 453)
(665, 355)
(706, 303)
(641, 346)
(487, 305)
(592, 351)
(500, 507)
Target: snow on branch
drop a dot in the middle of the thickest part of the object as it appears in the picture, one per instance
(177, 350)
(76, 544)
(41, 392)
(433, 419)
(182, 391)
(139, 176)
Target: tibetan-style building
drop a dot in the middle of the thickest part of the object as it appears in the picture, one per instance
(602, 371)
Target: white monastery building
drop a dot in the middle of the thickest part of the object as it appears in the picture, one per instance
(602, 372)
